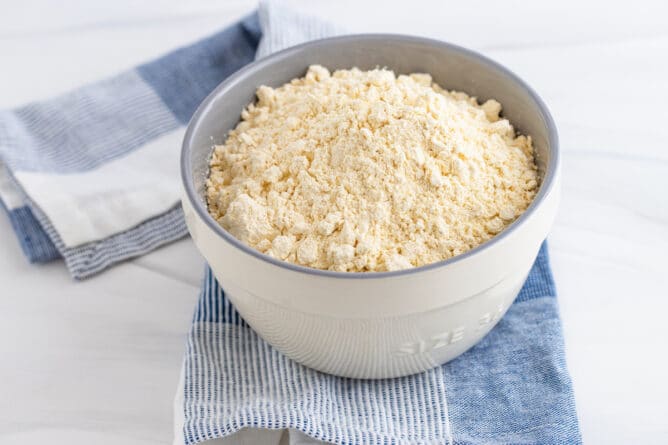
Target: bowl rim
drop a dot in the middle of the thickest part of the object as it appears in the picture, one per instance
(547, 184)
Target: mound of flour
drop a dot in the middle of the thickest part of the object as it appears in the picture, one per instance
(368, 171)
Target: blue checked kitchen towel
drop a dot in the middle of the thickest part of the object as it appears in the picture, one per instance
(92, 176)
(511, 388)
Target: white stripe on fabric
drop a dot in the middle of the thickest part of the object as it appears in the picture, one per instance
(179, 416)
(10, 194)
(92, 205)
(448, 427)
(282, 28)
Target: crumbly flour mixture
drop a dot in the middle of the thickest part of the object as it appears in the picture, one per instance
(368, 171)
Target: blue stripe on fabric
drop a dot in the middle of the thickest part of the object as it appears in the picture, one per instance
(34, 241)
(85, 128)
(213, 305)
(186, 76)
(90, 259)
(512, 387)
(540, 282)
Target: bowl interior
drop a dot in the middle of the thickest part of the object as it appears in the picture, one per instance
(450, 66)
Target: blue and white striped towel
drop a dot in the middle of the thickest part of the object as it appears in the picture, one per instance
(92, 176)
(511, 388)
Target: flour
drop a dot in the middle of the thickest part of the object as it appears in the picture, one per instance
(368, 171)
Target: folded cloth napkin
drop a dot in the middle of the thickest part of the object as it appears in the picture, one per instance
(511, 388)
(92, 176)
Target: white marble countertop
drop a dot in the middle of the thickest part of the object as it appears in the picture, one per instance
(98, 361)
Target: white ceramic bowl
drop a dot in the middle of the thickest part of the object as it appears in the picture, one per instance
(385, 324)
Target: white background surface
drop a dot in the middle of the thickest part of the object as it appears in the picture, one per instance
(98, 361)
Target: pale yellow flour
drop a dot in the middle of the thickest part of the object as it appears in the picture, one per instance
(367, 171)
